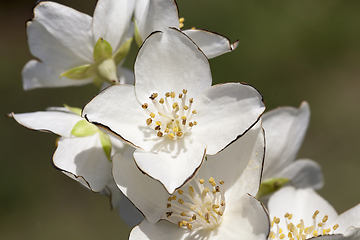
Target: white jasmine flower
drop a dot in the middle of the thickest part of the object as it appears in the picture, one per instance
(158, 15)
(83, 150)
(303, 214)
(215, 204)
(285, 129)
(76, 49)
(173, 116)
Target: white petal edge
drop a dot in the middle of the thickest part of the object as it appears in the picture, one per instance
(84, 157)
(285, 129)
(224, 113)
(211, 43)
(170, 62)
(60, 123)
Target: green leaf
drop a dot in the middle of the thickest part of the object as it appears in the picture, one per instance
(122, 52)
(270, 186)
(106, 144)
(79, 73)
(102, 50)
(75, 110)
(138, 39)
(83, 128)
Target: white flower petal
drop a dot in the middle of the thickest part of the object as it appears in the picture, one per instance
(245, 156)
(111, 20)
(36, 74)
(349, 218)
(60, 123)
(146, 194)
(162, 230)
(174, 164)
(165, 63)
(155, 15)
(302, 203)
(117, 109)
(211, 43)
(303, 173)
(60, 36)
(126, 76)
(225, 112)
(249, 220)
(85, 157)
(285, 130)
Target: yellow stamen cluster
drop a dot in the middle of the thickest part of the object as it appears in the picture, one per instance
(199, 207)
(299, 231)
(172, 118)
(181, 22)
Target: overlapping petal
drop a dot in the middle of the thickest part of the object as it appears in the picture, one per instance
(225, 112)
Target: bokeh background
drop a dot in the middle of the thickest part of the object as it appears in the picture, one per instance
(289, 50)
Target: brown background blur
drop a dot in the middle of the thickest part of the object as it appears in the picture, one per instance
(290, 51)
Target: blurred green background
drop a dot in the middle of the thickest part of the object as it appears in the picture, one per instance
(289, 50)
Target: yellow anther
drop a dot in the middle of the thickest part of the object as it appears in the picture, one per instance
(169, 199)
(180, 95)
(201, 181)
(213, 191)
(158, 123)
(194, 112)
(168, 214)
(175, 129)
(215, 206)
(160, 134)
(148, 121)
(328, 230)
(171, 136)
(193, 28)
(290, 216)
(175, 105)
(277, 221)
(180, 192)
(181, 201)
(326, 217)
(221, 182)
(145, 106)
(181, 25)
(191, 189)
(183, 122)
(207, 216)
(195, 123)
(189, 226)
(286, 215)
(289, 235)
(299, 225)
(161, 101)
(152, 115)
(220, 213)
(167, 94)
(157, 128)
(191, 100)
(184, 91)
(193, 217)
(191, 124)
(223, 203)
(167, 130)
(315, 233)
(186, 107)
(153, 96)
(174, 197)
(320, 224)
(181, 20)
(282, 236)
(172, 95)
(212, 182)
(183, 117)
(183, 214)
(315, 214)
(272, 235)
(324, 232)
(335, 226)
(179, 134)
(168, 205)
(303, 237)
(206, 190)
(180, 224)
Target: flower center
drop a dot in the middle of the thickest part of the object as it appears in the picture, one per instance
(299, 231)
(201, 208)
(173, 118)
